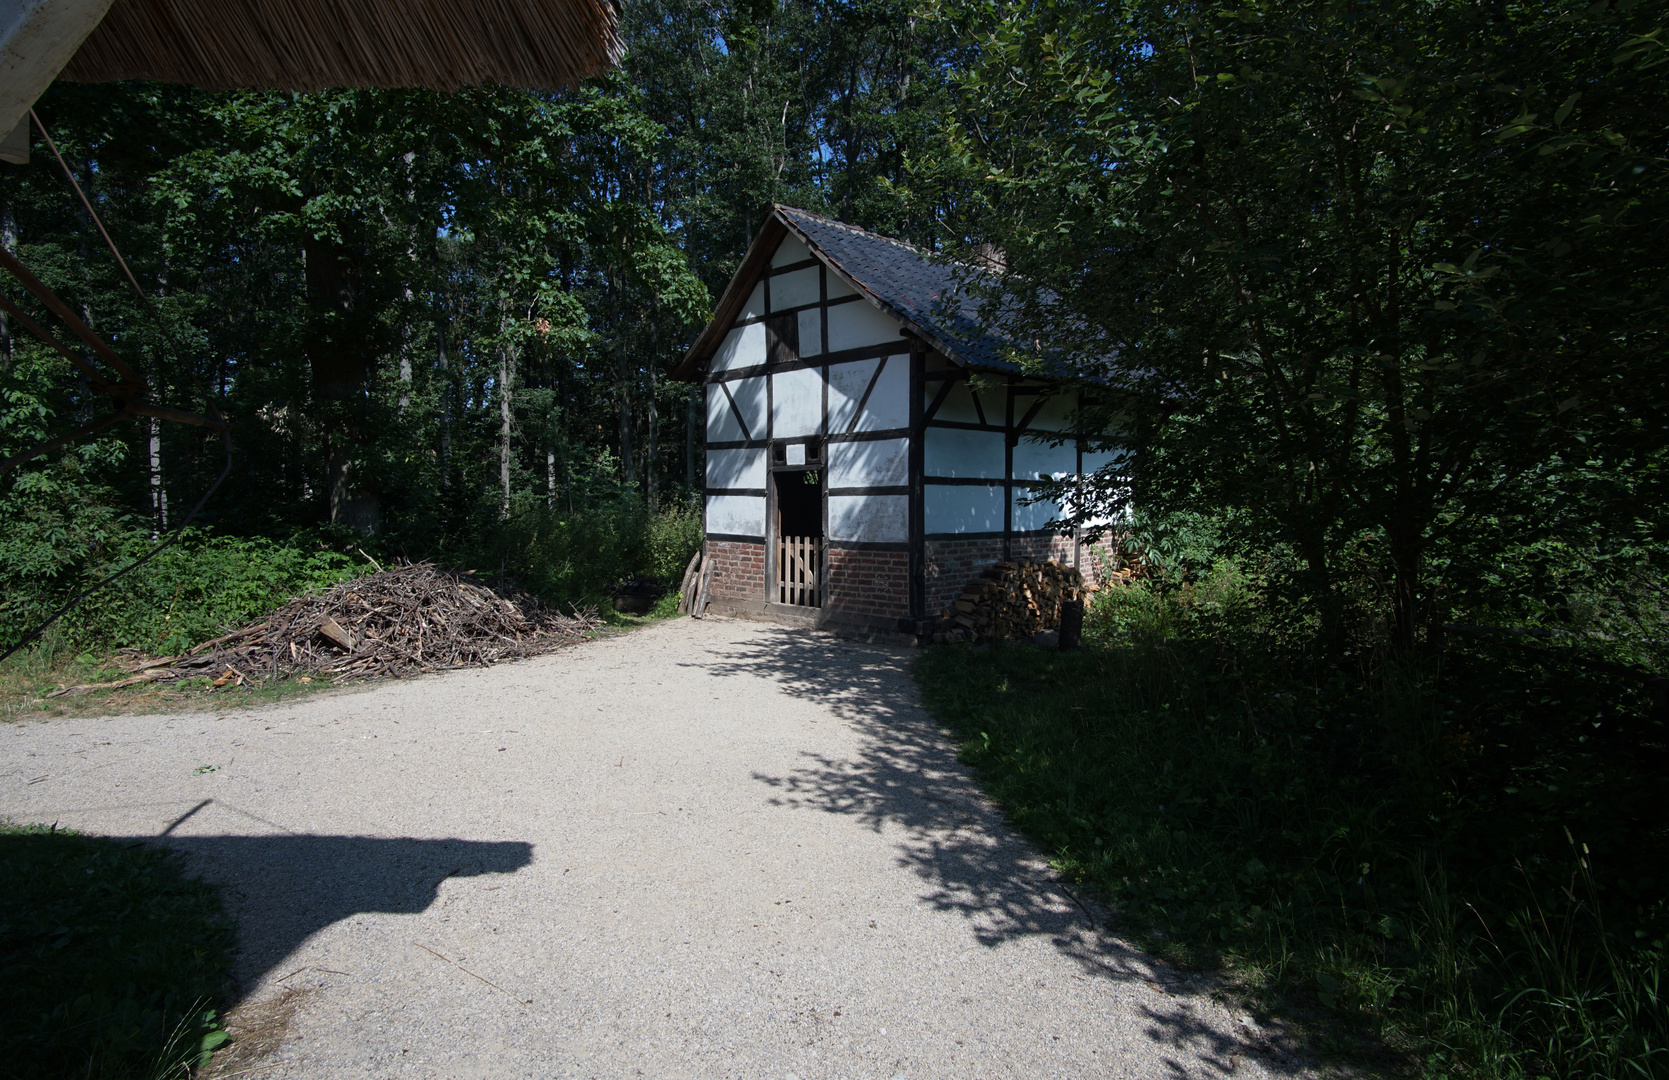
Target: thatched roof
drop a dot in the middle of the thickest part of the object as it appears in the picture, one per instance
(316, 44)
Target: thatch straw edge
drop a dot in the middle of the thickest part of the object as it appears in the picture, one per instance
(317, 44)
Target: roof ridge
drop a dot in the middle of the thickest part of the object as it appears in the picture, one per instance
(859, 229)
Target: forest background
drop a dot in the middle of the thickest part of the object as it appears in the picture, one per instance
(439, 323)
(1378, 296)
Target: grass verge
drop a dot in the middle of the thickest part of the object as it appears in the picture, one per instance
(1438, 870)
(112, 962)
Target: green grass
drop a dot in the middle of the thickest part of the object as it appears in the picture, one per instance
(112, 962)
(1382, 852)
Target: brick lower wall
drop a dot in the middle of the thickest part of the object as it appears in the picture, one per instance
(869, 583)
(738, 570)
(952, 564)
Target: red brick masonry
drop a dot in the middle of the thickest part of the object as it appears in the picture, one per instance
(870, 583)
(738, 570)
(951, 564)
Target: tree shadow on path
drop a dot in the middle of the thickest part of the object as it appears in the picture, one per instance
(970, 860)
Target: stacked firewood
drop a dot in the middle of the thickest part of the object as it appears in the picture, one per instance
(403, 621)
(1010, 600)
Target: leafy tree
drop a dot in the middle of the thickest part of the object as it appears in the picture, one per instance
(1384, 272)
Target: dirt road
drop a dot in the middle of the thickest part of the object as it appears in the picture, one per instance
(704, 849)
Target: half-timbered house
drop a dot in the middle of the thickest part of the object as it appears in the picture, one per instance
(869, 450)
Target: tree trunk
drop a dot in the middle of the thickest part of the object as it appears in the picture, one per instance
(1407, 554)
(550, 478)
(8, 240)
(692, 415)
(159, 496)
(652, 441)
(446, 399)
(505, 416)
(405, 359)
(339, 348)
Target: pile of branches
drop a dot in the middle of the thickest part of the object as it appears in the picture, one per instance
(1010, 600)
(404, 621)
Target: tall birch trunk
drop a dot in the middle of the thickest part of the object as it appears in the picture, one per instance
(159, 496)
(506, 372)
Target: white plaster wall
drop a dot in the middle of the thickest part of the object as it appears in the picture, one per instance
(958, 406)
(796, 289)
(1094, 459)
(888, 406)
(846, 387)
(853, 326)
(962, 508)
(749, 395)
(1056, 414)
(1032, 457)
(879, 463)
(797, 403)
(721, 422)
(742, 347)
(791, 250)
(869, 518)
(738, 515)
(954, 452)
(838, 287)
(736, 468)
(811, 331)
(1033, 517)
(755, 307)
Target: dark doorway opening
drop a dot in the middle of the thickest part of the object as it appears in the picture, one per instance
(799, 537)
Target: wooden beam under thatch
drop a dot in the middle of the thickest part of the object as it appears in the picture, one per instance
(317, 44)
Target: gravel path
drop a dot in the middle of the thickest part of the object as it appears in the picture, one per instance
(703, 849)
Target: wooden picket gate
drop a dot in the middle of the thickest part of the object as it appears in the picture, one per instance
(799, 567)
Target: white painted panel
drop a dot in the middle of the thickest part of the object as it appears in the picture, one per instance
(749, 395)
(755, 307)
(962, 508)
(791, 250)
(852, 326)
(1033, 517)
(736, 468)
(1032, 457)
(794, 454)
(958, 405)
(1056, 414)
(1095, 459)
(838, 287)
(888, 406)
(869, 518)
(846, 386)
(954, 452)
(797, 398)
(721, 422)
(811, 331)
(881, 463)
(742, 347)
(738, 515)
(796, 289)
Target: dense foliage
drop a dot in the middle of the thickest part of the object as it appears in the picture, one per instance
(1386, 277)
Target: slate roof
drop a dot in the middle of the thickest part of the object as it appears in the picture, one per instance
(901, 280)
(926, 294)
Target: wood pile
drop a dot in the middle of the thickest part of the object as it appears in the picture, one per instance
(403, 621)
(1010, 600)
